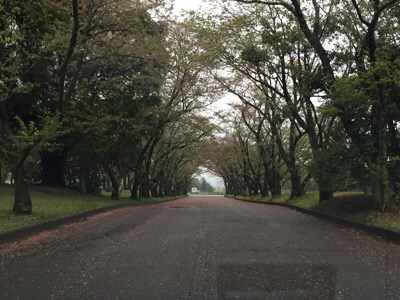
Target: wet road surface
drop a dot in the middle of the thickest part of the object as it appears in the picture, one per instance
(200, 248)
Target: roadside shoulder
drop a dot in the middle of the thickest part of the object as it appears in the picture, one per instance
(27, 231)
(375, 230)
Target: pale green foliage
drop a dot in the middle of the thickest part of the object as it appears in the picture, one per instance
(30, 135)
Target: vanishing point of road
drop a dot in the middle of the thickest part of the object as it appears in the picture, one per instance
(201, 248)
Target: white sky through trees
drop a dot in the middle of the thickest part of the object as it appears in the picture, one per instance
(179, 7)
(186, 4)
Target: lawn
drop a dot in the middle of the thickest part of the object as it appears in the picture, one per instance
(51, 203)
(348, 205)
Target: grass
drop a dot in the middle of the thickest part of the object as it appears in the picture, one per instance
(352, 206)
(125, 194)
(51, 203)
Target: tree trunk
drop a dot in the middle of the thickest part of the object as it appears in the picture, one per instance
(82, 175)
(297, 186)
(53, 167)
(237, 189)
(145, 188)
(145, 191)
(161, 187)
(1, 176)
(125, 183)
(115, 193)
(115, 181)
(154, 192)
(275, 184)
(133, 194)
(263, 193)
(115, 184)
(107, 184)
(128, 178)
(380, 190)
(168, 191)
(265, 188)
(134, 190)
(228, 189)
(276, 189)
(383, 194)
(22, 198)
(67, 59)
(161, 191)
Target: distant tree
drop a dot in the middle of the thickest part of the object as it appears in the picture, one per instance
(205, 187)
(194, 183)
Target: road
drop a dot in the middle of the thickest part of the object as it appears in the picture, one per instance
(200, 248)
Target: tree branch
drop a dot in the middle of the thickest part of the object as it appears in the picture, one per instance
(70, 51)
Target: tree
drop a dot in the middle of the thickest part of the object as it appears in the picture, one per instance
(23, 58)
(123, 79)
(276, 78)
(205, 187)
(176, 157)
(186, 89)
(359, 27)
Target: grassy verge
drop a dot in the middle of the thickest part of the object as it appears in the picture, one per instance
(125, 194)
(348, 205)
(51, 203)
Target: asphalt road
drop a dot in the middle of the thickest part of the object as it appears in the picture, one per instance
(199, 248)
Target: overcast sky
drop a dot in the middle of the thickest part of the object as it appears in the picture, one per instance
(215, 181)
(186, 4)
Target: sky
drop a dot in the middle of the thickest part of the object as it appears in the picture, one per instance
(186, 4)
(215, 181)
